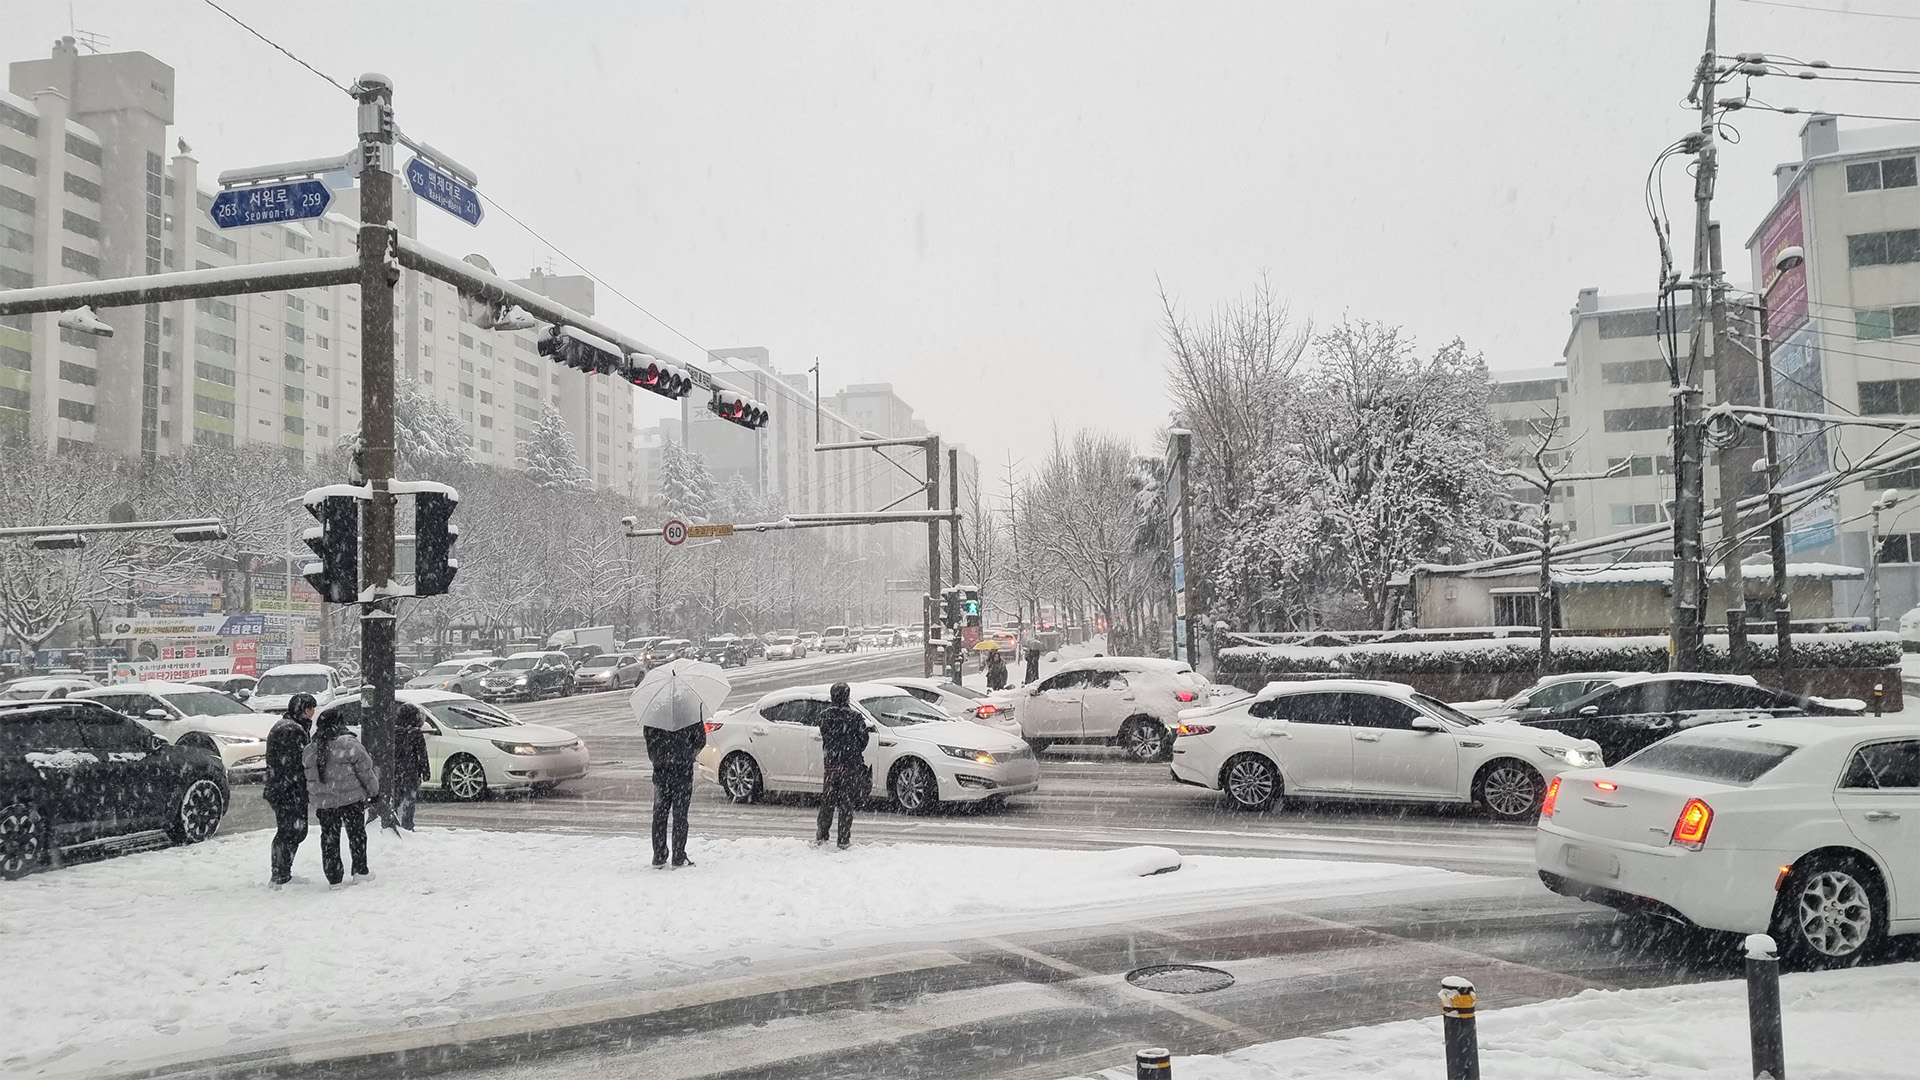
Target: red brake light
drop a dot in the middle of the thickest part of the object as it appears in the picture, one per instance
(1192, 729)
(1183, 695)
(984, 711)
(713, 726)
(1606, 785)
(1691, 830)
(1553, 796)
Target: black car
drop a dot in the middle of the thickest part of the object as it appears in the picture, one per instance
(1640, 710)
(726, 651)
(527, 676)
(75, 775)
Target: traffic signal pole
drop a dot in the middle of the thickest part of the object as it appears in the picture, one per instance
(933, 553)
(378, 275)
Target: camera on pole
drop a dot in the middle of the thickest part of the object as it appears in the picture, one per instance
(336, 541)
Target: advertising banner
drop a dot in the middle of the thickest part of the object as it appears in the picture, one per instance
(175, 670)
(1799, 385)
(1787, 300)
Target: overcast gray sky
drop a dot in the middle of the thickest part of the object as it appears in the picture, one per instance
(972, 201)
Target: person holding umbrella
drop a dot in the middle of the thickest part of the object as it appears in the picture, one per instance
(672, 704)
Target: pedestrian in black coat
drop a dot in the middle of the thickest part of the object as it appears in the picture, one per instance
(672, 754)
(410, 768)
(844, 776)
(996, 671)
(1032, 649)
(285, 788)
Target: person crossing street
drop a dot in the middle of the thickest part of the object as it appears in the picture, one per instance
(843, 738)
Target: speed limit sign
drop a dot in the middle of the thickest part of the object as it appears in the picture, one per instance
(674, 532)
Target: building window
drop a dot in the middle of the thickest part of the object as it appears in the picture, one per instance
(293, 393)
(213, 373)
(1890, 397)
(427, 377)
(526, 391)
(24, 123)
(83, 187)
(1899, 547)
(1516, 609)
(217, 342)
(1633, 372)
(322, 372)
(219, 309)
(322, 401)
(296, 303)
(427, 325)
(296, 332)
(1886, 173)
(320, 341)
(295, 424)
(1879, 324)
(217, 242)
(76, 410)
(79, 339)
(486, 446)
(466, 389)
(81, 261)
(1905, 478)
(16, 200)
(321, 313)
(1884, 248)
(466, 341)
(486, 397)
(486, 421)
(82, 149)
(14, 159)
(296, 242)
(1642, 465)
(1647, 323)
(294, 363)
(77, 373)
(1651, 418)
(1639, 513)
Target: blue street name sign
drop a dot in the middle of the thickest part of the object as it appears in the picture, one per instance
(237, 208)
(445, 192)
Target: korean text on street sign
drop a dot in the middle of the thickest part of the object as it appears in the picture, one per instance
(236, 208)
(445, 192)
(698, 532)
(674, 532)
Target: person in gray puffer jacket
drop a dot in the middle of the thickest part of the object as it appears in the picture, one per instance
(341, 780)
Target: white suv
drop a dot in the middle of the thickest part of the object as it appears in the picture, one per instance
(1130, 701)
(279, 683)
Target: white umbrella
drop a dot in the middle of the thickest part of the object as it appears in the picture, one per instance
(679, 694)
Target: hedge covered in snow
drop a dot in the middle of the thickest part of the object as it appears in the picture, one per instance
(1569, 653)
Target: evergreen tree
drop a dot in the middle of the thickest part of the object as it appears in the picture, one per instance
(429, 435)
(548, 456)
(686, 488)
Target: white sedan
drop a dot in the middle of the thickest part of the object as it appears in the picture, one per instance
(920, 755)
(189, 715)
(1372, 741)
(962, 701)
(1805, 828)
(474, 748)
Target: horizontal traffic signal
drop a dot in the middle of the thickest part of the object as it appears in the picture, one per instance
(738, 409)
(580, 350)
(656, 375)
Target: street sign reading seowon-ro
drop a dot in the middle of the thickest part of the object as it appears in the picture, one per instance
(444, 191)
(266, 204)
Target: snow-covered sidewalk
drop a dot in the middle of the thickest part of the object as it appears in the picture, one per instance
(186, 952)
(1839, 1025)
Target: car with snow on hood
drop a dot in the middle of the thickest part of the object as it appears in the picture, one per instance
(920, 756)
(279, 683)
(200, 716)
(1632, 713)
(1133, 702)
(475, 749)
(1371, 741)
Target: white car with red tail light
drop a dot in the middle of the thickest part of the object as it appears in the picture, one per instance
(1372, 741)
(920, 755)
(1807, 829)
(964, 702)
(1133, 702)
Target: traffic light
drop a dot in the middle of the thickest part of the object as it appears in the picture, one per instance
(951, 601)
(739, 409)
(970, 605)
(434, 532)
(656, 375)
(580, 350)
(336, 540)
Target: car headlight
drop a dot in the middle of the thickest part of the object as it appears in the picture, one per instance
(231, 740)
(521, 681)
(980, 757)
(1577, 758)
(524, 749)
(579, 744)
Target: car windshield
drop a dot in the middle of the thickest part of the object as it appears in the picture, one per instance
(292, 684)
(1443, 710)
(518, 663)
(785, 640)
(1719, 759)
(901, 710)
(603, 660)
(444, 670)
(962, 691)
(469, 715)
(23, 693)
(207, 703)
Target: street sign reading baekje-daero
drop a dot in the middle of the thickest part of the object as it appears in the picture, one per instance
(444, 191)
(266, 204)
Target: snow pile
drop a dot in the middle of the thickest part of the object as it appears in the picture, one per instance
(186, 953)
(1571, 653)
(1840, 1025)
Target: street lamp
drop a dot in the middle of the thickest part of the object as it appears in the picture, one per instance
(1786, 259)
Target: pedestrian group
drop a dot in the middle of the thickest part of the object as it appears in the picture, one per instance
(320, 765)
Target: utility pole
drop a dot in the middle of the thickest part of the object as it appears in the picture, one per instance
(377, 277)
(1735, 464)
(933, 553)
(956, 659)
(1689, 572)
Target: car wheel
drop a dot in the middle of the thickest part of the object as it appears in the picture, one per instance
(1146, 739)
(914, 788)
(23, 841)
(197, 741)
(464, 778)
(199, 814)
(1040, 746)
(1829, 914)
(1509, 790)
(740, 778)
(1250, 782)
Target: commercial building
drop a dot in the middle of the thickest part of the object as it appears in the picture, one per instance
(90, 189)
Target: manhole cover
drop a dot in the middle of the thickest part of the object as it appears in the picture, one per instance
(1179, 978)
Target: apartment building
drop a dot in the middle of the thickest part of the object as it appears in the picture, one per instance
(90, 189)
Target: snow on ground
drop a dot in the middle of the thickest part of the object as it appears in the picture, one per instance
(185, 952)
(1856, 1025)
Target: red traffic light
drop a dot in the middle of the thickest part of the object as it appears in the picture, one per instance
(657, 376)
(738, 409)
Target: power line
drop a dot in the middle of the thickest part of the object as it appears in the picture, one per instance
(335, 83)
(1831, 11)
(1795, 110)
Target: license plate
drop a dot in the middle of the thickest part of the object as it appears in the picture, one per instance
(1594, 862)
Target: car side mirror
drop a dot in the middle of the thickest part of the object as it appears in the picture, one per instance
(1591, 710)
(157, 714)
(243, 693)
(1427, 723)
(158, 743)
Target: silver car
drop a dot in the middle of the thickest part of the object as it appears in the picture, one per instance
(453, 676)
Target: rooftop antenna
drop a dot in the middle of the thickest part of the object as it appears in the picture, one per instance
(93, 42)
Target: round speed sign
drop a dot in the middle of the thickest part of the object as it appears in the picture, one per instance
(674, 532)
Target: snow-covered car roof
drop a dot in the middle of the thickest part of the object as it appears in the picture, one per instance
(49, 682)
(859, 691)
(1366, 686)
(156, 687)
(537, 654)
(1692, 676)
(299, 669)
(1578, 676)
(1125, 663)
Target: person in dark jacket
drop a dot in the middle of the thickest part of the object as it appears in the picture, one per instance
(1032, 649)
(286, 784)
(672, 754)
(844, 776)
(410, 768)
(341, 780)
(996, 671)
